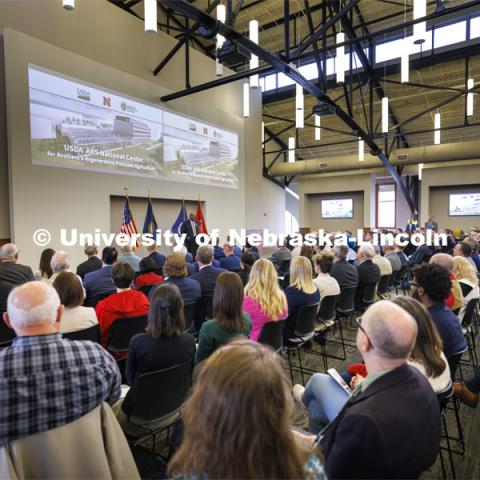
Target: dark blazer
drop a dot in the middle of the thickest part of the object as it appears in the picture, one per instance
(98, 285)
(5, 289)
(15, 273)
(422, 254)
(207, 277)
(89, 265)
(344, 273)
(368, 273)
(296, 299)
(190, 242)
(392, 430)
(232, 263)
(158, 258)
(215, 263)
(190, 289)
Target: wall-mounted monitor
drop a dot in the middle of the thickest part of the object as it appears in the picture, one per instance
(337, 208)
(464, 204)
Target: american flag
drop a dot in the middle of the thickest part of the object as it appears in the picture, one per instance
(128, 225)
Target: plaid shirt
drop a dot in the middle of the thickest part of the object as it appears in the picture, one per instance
(47, 381)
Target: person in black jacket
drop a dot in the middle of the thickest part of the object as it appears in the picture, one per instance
(390, 427)
(368, 274)
(92, 263)
(10, 270)
(343, 272)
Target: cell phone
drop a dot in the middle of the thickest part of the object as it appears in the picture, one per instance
(336, 376)
(124, 390)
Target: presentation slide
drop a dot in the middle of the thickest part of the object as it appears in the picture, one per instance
(75, 125)
(338, 208)
(463, 204)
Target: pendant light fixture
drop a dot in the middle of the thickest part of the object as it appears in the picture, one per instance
(150, 13)
(253, 35)
(299, 107)
(318, 130)
(291, 149)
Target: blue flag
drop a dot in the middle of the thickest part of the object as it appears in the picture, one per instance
(182, 216)
(150, 225)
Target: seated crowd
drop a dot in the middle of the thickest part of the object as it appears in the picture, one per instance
(205, 317)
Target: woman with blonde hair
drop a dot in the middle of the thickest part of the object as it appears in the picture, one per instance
(468, 280)
(242, 380)
(264, 300)
(302, 292)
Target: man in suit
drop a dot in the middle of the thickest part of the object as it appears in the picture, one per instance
(343, 272)
(431, 224)
(91, 264)
(190, 229)
(368, 273)
(157, 257)
(390, 427)
(99, 284)
(10, 270)
(230, 261)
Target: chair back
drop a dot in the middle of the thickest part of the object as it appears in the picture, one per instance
(93, 303)
(284, 267)
(188, 311)
(469, 312)
(370, 293)
(383, 284)
(146, 289)
(6, 335)
(305, 323)
(285, 281)
(91, 333)
(156, 394)
(328, 304)
(346, 301)
(122, 331)
(272, 334)
(453, 362)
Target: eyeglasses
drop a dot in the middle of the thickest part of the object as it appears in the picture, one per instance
(359, 323)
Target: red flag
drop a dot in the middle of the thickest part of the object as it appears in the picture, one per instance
(202, 226)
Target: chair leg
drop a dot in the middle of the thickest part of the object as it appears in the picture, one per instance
(290, 365)
(442, 463)
(449, 449)
(300, 365)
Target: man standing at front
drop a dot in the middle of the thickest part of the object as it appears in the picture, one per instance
(190, 229)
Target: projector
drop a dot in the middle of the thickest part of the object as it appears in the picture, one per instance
(232, 54)
(324, 109)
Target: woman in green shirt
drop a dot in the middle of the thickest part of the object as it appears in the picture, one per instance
(228, 319)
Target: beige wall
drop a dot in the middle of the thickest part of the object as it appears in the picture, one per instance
(100, 44)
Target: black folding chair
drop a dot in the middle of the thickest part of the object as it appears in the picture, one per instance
(146, 289)
(468, 331)
(122, 331)
(272, 334)
(156, 399)
(284, 267)
(203, 311)
(382, 288)
(304, 332)
(6, 335)
(189, 311)
(369, 294)
(93, 303)
(91, 333)
(402, 280)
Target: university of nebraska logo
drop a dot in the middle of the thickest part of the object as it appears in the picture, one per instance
(107, 101)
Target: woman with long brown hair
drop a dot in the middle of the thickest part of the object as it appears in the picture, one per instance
(228, 319)
(236, 421)
(44, 271)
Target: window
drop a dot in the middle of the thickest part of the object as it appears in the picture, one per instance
(457, 32)
(291, 223)
(475, 27)
(386, 205)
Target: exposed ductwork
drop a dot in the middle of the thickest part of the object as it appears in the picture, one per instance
(404, 156)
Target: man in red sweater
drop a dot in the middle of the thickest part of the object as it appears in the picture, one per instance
(123, 304)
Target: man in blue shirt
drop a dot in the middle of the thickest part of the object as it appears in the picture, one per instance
(230, 261)
(432, 286)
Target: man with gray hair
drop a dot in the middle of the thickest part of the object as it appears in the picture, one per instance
(368, 275)
(127, 256)
(342, 271)
(383, 264)
(91, 264)
(47, 381)
(10, 270)
(390, 426)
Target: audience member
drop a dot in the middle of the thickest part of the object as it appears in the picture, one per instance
(474, 255)
(326, 284)
(156, 256)
(60, 262)
(230, 261)
(431, 286)
(10, 270)
(368, 273)
(301, 292)
(393, 258)
(252, 249)
(188, 258)
(247, 260)
(175, 271)
(280, 255)
(242, 380)
(343, 272)
(127, 256)
(44, 268)
(92, 262)
(207, 274)
(5, 289)
(51, 381)
(383, 264)
(218, 252)
(125, 303)
(455, 300)
(75, 317)
(264, 300)
(422, 254)
(448, 248)
(99, 284)
(468, 391)
(307, 252)
(147, 276)
(463, 249)
(393, 399)
(228, 319)
(163, 345)
(468, 281)
(398, 249)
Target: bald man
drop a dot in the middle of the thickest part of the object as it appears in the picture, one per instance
(455, 301)
(47, 381)
(390, 427)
